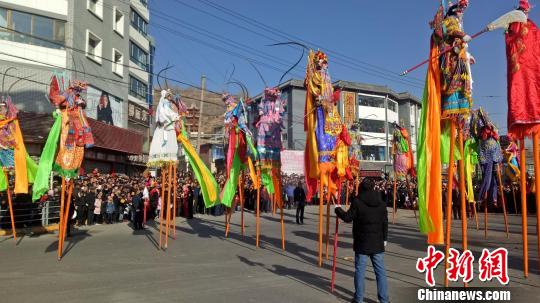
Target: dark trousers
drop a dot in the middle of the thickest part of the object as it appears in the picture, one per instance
(90, 217)
(80, 214)
(300, 213)
(138, 219)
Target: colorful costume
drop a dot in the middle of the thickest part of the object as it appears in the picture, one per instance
(523, 53)
(489, 154)
(164, 146)
(512, 164)
(13, 153)
(239, 139)
(70, 133)
(269, 145)
(322, 124)
(207, 182)
(403, 157)
(455, 65)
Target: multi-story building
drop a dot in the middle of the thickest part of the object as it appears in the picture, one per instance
(376, 107)
(102, 42)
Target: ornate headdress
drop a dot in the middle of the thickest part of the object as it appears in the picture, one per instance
(524, 5)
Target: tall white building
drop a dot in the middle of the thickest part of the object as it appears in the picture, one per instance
(102, 42)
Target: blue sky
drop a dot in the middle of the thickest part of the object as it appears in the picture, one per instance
(374, 40)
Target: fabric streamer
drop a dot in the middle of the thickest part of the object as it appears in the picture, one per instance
(428, 155)
(46, 160)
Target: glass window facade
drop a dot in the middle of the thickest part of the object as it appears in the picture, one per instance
(48, 32)
(138, 56)
(139, 23)
(373, 153)
(393, 106)
(372, 126)
(370, 101)
(137, 88)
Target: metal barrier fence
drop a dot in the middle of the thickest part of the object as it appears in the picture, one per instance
(28, 214)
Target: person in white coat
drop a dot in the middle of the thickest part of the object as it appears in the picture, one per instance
(164, 146)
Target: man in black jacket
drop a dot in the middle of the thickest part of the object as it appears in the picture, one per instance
(138, 208)
(370, 230)
(300, 199)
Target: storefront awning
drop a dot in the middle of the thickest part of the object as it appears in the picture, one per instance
(35, 128)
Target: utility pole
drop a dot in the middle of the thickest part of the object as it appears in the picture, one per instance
(201, 104)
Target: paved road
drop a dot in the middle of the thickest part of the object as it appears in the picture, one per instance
(112, 263)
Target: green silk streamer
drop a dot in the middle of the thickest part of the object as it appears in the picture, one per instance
(41, 182)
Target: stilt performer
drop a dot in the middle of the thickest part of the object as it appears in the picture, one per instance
(13, 155)
(164, 155)
(239, 148)
(403, 162)
(490, 158)
(522, 52)
(70, 134)
(323, 125)
(355, 154)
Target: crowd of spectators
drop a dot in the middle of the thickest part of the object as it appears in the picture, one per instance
(112, 198)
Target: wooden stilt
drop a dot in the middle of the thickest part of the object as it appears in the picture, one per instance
(462, 190)
(536, 154)
(227, 220)
(173, 225)
(394, 207)
(161, 205)
(282, 228)
(273, 200)
(450, 183)
(10, 205)
(327, 234)
(258, 206)
(334, 256)
(168, 213)
(241, 191)
(61, 214)
(347, 197)
(411, 197)
(503, 199)
(485, 217)
(524, 229)
(475, 215)
(321, 210)
(514, 194)
(66, 218)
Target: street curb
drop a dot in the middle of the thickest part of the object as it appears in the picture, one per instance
(37, 230)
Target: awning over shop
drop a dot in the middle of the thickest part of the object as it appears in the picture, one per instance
(36, 126)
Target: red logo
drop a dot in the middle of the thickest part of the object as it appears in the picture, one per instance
(460, 266)
(429, 263)
(494, 265)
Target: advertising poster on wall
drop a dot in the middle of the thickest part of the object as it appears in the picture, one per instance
(104, 107)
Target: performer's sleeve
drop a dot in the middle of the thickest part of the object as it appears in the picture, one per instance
(350, 215)
(453, 29)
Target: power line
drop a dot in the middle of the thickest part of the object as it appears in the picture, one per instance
(374, 73)
(98, 77)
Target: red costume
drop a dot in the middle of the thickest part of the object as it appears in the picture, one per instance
(523, 55)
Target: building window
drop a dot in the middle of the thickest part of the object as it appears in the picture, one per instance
(371, 101)
(137, 88)
(144, 3)
(138, 56)
(118, 21)
(118, 63)
(93, 47)
(139, 23)
(372, 126)
(96, 7)
(393, 106)
(373, 153)
(47, 32)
